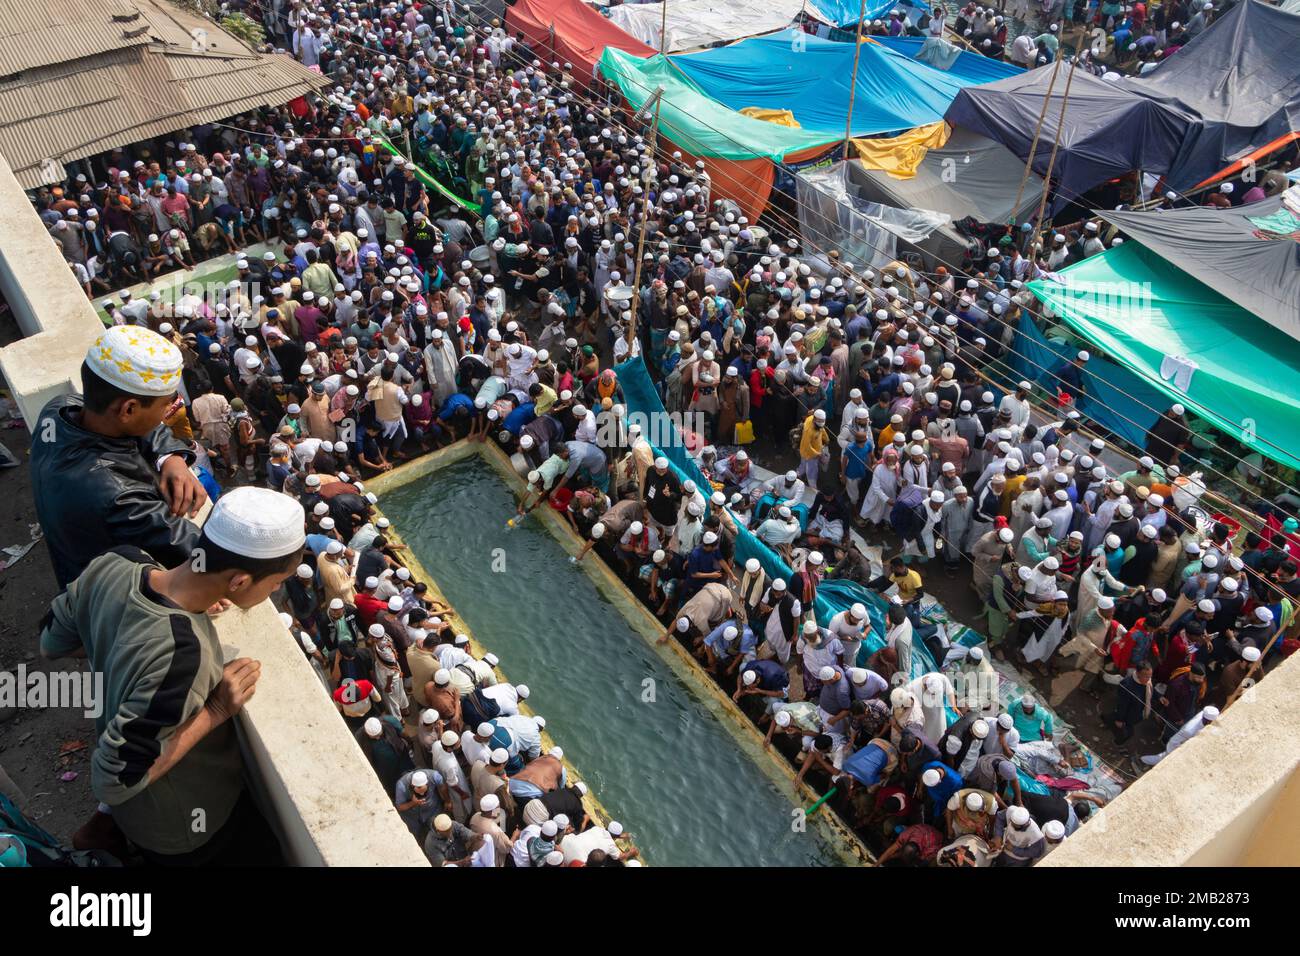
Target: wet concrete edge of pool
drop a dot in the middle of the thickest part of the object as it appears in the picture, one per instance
(742, 730)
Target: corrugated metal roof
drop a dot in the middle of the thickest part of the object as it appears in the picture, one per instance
(67, 107)
(43, 32)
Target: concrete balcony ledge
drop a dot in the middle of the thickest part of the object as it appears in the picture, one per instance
(57, 321)
(1230, 796)
(307, 770)
(304, 766)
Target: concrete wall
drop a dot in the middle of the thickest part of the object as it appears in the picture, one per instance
(1230, 796)
(57, 320)
(307, 770)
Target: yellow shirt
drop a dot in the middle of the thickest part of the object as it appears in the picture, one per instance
(545, 400)
(909, 585)
(813, 440)
(1010, 493)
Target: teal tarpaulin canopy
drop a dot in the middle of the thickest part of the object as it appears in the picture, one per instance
(695, 121)
(1184, 339)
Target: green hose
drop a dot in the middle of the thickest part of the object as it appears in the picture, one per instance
(818, 805)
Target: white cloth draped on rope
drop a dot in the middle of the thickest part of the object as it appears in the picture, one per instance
(703, 23)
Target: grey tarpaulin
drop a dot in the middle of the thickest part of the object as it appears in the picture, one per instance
(969, 176)
(1225, 250)
(1108, 129)
(834, 215)
(1242, 78)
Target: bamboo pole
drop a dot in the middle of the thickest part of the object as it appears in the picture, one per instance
(1056, 145)
(1033, 146)
(1256, 670)
(853, 80)
(645, 196)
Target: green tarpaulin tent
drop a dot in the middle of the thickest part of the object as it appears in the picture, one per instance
(698, 124)
(1165, 325)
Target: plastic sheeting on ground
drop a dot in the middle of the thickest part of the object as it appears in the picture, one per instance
(1245, 253)
(809, 76)
(699, 23)
(1100, 777)
(832, 215)
(832, 596)
(738, 151)
(1152, 317)
(970, 67)
(900, 156)
(571, 32)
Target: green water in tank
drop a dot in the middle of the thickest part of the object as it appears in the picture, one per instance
(668, 769)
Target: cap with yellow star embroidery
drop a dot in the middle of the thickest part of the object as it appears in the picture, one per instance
(136, 360)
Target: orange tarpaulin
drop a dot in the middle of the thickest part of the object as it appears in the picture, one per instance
(571, 32)
(746, 182)
(1253, 157)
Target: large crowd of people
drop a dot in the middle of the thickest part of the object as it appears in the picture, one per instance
(383, 320)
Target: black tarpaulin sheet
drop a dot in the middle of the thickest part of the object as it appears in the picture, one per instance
(1105, 130)
(1256, 269)
(1242, 78)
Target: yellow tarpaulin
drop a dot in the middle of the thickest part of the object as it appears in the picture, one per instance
(779, 117)
(901, 155)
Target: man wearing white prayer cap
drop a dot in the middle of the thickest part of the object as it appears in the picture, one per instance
(661, 491)
(1239, 676)
(489, 821)
(146, 629)
(1053, 834)
(850, 626)
(417, 801)
(1193, 726)
(1169, 435)
(448, 842)
(105, 470)
(1019, 837)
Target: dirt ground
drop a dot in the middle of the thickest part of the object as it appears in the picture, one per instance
(37, 747)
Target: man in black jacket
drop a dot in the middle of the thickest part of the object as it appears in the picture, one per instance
(1133, 703)
(105, 470)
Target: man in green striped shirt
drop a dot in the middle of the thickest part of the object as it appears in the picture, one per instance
(166, 764)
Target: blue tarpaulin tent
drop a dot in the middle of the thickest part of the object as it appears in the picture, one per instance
(844, 13)
(1111, 388)
(808, 76)
(968, 67)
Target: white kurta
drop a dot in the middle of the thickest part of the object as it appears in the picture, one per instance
(880, 497)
